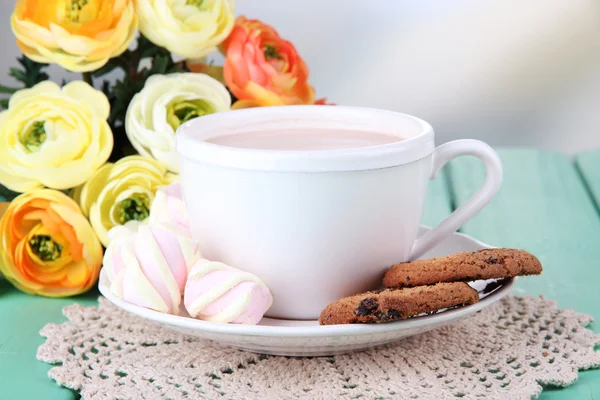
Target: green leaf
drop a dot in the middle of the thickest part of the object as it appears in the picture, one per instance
(7, 194)
(178, 67)
(30, 73)
(4, 103)
(106, 89)
(160, 65)
(152, 51)
(18, 74)
(8, 90)
(146, 48)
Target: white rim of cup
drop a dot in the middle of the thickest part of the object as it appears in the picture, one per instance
(417, 135)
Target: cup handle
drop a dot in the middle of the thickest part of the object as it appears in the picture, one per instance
(493, 180)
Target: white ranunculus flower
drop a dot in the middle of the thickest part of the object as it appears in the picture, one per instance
(165, 102)
(187, 28)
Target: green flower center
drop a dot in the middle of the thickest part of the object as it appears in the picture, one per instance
(197, 3)
(135, 207)
(182, 111)
(34, 137)
(73, 9)
(271, 53)
(45, 248)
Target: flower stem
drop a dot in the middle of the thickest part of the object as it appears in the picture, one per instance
(87, 78)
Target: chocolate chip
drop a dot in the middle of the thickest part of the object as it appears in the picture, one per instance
(494, 260)
(366, 307)
(393, 315)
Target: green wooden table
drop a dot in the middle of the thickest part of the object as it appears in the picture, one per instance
(548, 205)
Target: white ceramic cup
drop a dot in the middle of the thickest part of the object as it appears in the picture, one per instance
(318, 225)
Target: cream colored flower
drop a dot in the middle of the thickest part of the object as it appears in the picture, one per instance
(80, 35)
(165, 102)
(121, 192)
(187, 28)
(53, 137)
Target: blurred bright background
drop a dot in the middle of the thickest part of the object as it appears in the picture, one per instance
(510, 72)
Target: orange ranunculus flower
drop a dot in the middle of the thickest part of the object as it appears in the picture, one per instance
(47, 246)
(262, 69)
(323, 102)
(80, 35)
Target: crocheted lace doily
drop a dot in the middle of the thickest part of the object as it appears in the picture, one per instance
(507, 351)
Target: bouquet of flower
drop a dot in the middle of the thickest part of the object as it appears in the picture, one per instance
(80, 158)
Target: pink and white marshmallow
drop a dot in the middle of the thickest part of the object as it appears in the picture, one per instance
(219, 293)
(149, 267)
(169, 209)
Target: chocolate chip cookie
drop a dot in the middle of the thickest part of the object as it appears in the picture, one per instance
(395, 304)
(468, 266)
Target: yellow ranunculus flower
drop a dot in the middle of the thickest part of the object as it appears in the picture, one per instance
(80, 35)
(48, 247)
(121, 192)
(53, 137)
(187, 28)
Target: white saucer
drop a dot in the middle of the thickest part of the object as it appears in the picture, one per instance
(308, 338)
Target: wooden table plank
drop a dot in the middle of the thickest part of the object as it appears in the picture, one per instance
(543, 207)
(588, 165)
